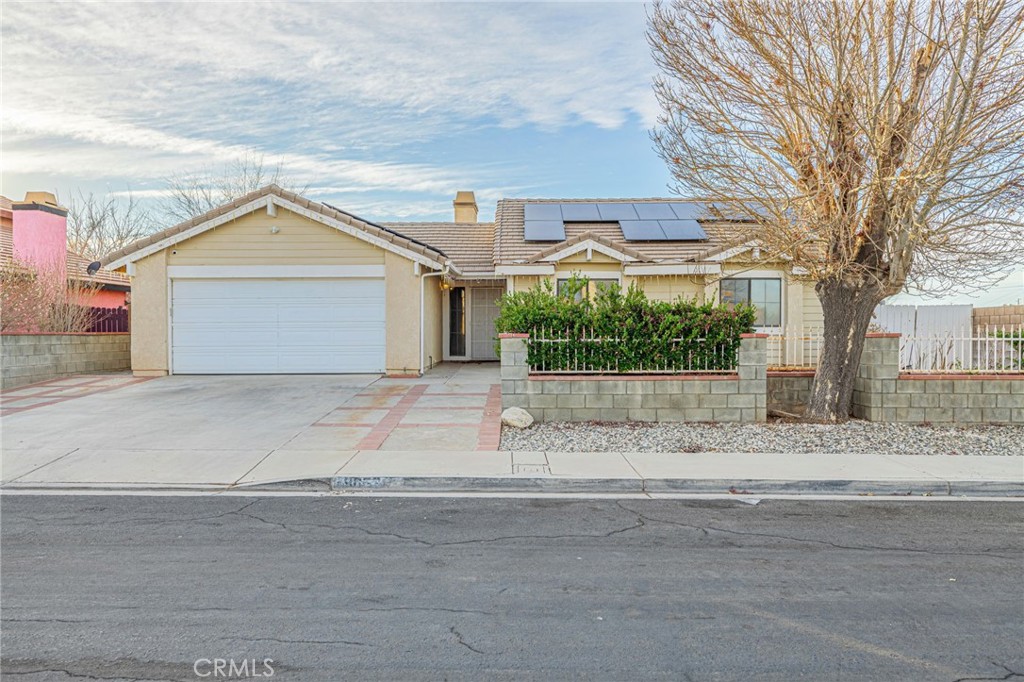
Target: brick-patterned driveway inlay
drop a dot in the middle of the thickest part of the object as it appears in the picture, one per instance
(61, 390)
(406, 416)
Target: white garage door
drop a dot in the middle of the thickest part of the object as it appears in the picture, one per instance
(277, 326)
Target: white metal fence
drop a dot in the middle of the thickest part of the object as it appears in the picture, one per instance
(553, 351)
(986, 349)
(794, 348)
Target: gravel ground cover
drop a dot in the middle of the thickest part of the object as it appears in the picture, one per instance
(853, 436)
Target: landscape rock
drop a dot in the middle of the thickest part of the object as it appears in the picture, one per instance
(516, 417)
(852, 437)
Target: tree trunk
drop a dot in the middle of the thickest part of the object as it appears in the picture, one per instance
(847, 309)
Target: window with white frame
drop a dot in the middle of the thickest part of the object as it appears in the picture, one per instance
(594, 285)
(764, 294)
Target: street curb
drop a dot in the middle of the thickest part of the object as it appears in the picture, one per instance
(462, 484)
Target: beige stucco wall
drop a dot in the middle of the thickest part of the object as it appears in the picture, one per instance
(580, 258)
(433, 298)
(565, 269)
(299, 241)
(671, 288)
(523, 282)
(402, 355)
(149, 316)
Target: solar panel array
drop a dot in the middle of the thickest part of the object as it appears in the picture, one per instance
(640, 222)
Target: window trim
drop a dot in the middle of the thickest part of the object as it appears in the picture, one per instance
(592, 276)
(782, 296)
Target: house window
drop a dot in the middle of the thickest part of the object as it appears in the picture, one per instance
(593, 286)
(457, 321)
(764, 294)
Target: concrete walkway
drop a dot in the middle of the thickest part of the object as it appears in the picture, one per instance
(533, 471)
(438, 433)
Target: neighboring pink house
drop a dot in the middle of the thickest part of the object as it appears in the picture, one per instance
(35, 232)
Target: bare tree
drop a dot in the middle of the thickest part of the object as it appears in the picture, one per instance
(41, 299)
(195, 193)
(879, 143)
(98, 226)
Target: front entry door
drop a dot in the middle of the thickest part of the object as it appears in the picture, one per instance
(484, 303)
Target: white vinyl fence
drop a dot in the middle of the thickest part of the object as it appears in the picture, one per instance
(932, 328)
(984, 350)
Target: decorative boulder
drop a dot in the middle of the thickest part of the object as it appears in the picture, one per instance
(516, 417)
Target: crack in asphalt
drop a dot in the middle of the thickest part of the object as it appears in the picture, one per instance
(86, 676)
(460, 640)
(297, 641)
(427, 608)
(42, 620)
(706, 530)
(641, 520)
(1009, 673)
(294, 528)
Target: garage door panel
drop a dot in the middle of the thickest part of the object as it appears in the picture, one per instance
(347, 312)
(278, 326)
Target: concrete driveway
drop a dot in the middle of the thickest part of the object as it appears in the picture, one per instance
(218, 430)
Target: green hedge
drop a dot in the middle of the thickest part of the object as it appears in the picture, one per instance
(622, 331)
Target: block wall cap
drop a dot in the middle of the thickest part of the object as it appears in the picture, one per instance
(513, 336)
(65, 334)
(914, 376)
(725, 376)
(753, 336)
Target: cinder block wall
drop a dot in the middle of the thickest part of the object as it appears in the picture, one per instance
(30, 358)
(733, 397)
(998, 316)
(882, 393)
(789, 391)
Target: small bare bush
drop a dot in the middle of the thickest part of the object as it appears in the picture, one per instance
(41, 299)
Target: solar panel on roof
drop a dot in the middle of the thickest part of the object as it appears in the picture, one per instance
(542, 212)
(642, 230)
(580, 213)
(654, 211)
(683, 230)
(544, 230)
(687, 211)
(617, 212)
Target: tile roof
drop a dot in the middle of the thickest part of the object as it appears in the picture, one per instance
(469, 245)
(323, 209)
(510, 246)
(585, 236)
(476, 248)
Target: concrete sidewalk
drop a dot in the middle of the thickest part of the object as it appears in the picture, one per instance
(518, 471)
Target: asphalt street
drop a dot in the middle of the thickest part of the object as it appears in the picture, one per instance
(342, 588)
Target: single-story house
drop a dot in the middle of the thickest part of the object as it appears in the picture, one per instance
(276, 283)
(34, 233)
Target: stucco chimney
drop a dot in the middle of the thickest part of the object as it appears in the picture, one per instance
(465, 207)
(40, 231)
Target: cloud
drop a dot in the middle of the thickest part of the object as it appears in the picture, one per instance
(356, 96)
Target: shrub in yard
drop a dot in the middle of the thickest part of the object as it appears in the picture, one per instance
(622, 331)
(42, 300)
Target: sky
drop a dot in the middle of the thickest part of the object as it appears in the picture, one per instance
(383, 109)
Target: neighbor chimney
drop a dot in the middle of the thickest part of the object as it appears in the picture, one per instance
(465, 207)
(40, 231)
